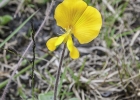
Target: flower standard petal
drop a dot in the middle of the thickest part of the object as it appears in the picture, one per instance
(74, 53)
(51, 43)
(68, 12)
(88, 26)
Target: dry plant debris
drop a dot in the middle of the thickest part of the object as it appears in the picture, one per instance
(108, 68)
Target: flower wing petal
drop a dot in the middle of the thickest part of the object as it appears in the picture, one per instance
(88, 26)
(51, 43)
(60, 39)
(68, 12)
(74, 53)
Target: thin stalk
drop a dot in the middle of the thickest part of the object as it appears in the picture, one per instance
(58, 72)
(33, 60)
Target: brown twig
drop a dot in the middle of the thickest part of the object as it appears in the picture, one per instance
(58, 72)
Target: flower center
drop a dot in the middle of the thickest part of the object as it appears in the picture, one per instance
(68, 33)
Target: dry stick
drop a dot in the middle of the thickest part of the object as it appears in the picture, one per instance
(19, 62)
(33, 59)
(19, 7)
(58, 72)
(112, 10)
(118, 67)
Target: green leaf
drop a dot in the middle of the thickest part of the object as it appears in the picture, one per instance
(109, 41)
(21, 93)
(5, 19)
(81, 69)
(88, 1)
(46, 96)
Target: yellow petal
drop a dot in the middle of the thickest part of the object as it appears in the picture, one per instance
(68, 12)
(88, 26)
(74, 53)
(60, 39)
(70, 43)
(51, 43)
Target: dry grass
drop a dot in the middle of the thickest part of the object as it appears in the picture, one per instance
(108, 69)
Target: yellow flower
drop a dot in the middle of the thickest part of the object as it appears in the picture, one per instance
(78, 19)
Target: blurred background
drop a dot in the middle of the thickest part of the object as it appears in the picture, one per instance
(108, 67)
